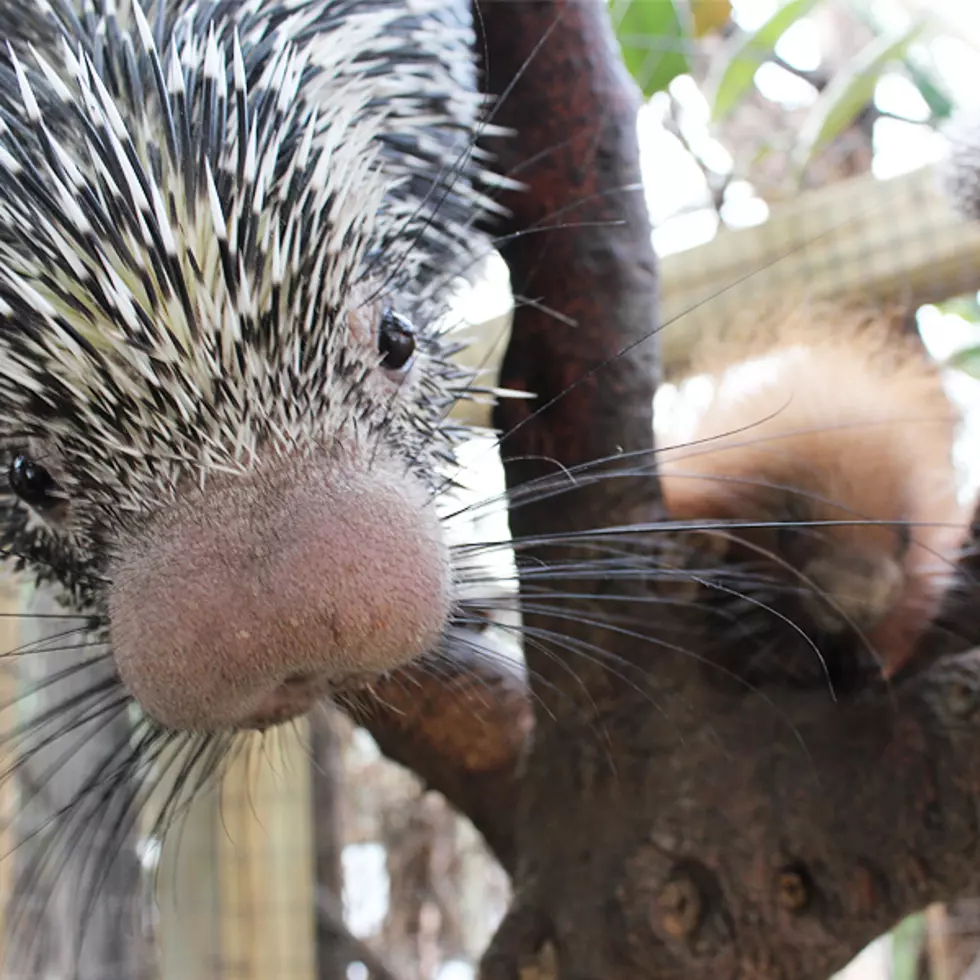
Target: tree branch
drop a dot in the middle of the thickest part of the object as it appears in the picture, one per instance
(333, 931)
(461, 726)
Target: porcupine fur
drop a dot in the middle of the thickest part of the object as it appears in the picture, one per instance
(198, 203)
(85, 252)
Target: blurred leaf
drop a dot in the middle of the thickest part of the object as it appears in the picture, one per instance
(967, 307)
(710, 15)
(734, 74)
(762, 153)
(850, 90)
(655, 36)
(967, 360)
(907, 939)
(940, 105)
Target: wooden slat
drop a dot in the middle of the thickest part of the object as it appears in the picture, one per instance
(236, 888)
(266, 861)
(187, 890)
(96, 881)
(867, 240)
(875, 241)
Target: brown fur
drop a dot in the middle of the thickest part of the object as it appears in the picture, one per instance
(855, 426)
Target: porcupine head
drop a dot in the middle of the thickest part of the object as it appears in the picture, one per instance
(226, 232)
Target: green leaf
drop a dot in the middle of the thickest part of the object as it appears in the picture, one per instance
(965, 307)
(655, 37)
(764, 151)
(850, 90)
(931, 90)
(967, 360)
(907, 939)
(735, 74)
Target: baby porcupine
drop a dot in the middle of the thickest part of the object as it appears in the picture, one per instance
(227, 230)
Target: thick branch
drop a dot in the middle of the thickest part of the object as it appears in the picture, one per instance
(574, 107)
(460, 725)
(783, 841)
(582, 237)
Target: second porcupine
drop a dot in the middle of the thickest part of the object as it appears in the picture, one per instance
(823, 465)
(226, 233)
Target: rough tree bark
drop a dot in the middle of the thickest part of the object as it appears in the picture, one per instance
(657, 824)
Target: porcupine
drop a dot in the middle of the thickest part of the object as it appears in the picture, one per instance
(228, 231)
(219, 272)
(823, 466)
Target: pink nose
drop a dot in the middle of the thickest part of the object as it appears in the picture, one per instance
(219, 605)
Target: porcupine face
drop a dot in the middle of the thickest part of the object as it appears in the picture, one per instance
(221, 390)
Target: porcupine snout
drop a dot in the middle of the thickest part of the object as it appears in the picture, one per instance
(245, 602)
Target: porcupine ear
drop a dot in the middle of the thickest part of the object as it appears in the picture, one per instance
(960, 169)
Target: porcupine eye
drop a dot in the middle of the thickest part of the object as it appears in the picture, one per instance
(396, 341)
(32, 483)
